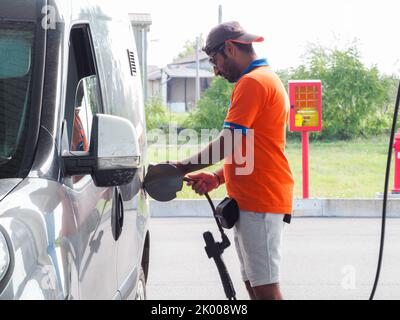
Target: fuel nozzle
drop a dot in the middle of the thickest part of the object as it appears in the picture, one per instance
(214, 251)
(213, 248)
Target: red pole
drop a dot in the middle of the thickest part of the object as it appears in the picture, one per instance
(396, 147)
(304, 139)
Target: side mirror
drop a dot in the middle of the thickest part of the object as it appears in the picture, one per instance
(114, 154)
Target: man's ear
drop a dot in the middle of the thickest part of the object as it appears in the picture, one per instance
(230, 49)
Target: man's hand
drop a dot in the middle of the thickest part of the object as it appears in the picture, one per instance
(203, 182)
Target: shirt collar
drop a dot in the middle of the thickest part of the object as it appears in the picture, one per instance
(255, 64)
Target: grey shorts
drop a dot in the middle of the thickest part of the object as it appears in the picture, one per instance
(258, 240)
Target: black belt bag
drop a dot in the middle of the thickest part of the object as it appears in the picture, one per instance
(227, 213)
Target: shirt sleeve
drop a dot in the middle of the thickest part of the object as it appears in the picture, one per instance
(246, 102)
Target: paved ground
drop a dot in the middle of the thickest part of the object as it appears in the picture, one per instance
(323, 258)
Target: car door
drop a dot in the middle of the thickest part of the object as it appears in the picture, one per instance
(116, 53)
(92, 206)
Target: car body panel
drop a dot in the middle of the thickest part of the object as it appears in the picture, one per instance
(7, 185)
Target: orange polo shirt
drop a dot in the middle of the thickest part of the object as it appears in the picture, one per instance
(260, 103)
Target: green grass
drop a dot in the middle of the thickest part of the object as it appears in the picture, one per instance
(344, 169)
(352, 169)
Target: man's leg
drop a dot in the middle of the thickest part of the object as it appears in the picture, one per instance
(250, 290)
(258, 236)
(240, 256)
(267, 292)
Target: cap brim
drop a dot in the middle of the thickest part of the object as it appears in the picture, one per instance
(248, 38)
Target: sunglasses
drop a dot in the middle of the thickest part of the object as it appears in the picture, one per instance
(212, 56)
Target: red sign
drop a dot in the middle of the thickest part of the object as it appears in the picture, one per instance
(305, 105)
(305, 115)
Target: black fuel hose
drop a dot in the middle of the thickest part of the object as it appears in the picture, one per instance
(211, 205)
(215, 250)
(385, 194)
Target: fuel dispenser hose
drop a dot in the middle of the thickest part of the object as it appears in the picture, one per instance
(385, 195)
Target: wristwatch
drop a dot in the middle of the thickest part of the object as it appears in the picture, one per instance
(218, 178)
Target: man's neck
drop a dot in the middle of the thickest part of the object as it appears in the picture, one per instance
(246, 62)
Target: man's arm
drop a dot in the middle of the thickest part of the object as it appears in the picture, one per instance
(213, 153)
(220, 174)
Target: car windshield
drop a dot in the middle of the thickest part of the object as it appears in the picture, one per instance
(16, 63)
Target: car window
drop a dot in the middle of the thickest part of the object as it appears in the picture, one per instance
(16, 56)
(82, 100)
(82, 97)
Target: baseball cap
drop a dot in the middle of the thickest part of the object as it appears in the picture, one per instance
(228, 31)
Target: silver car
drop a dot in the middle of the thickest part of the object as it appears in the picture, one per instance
(73, 213)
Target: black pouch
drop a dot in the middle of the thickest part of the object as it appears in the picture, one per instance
(227, 212)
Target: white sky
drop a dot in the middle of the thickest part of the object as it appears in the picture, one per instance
(286, 25)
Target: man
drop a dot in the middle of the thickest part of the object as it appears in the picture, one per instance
(259, 105)
(79, 141)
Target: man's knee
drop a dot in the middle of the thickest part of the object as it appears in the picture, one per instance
(268, 292)
(250, 290)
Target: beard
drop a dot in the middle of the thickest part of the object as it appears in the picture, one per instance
(230, 71)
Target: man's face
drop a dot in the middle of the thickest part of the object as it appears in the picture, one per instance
(224, 66)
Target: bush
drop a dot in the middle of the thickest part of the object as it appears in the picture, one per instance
(156, 114)
(354, 96)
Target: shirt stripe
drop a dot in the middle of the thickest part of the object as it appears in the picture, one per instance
(233, 126)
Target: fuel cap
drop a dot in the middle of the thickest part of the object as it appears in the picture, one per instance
(163, 181)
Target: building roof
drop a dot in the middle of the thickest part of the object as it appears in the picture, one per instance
(178, 72)
(153, 74)
(188, 73)
(190, 58)
(140, 18)
(152, 68)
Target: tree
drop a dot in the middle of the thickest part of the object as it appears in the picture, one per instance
(190, 48)
(357, 100)
(212, 107)
(353, 95)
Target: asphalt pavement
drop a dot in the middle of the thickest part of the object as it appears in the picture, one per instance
(323, 258)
